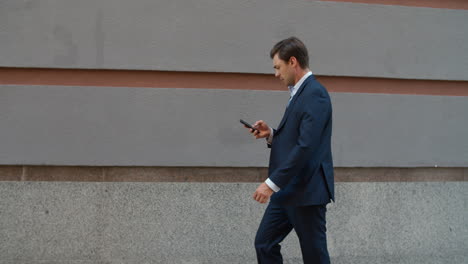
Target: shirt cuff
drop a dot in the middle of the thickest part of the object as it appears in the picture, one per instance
(272, 185)
(270, 138)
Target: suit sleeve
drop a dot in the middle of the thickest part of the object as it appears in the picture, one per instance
(314, 118)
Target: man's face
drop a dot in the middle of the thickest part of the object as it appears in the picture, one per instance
(283, 70)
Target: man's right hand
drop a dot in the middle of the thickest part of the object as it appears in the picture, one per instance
(262, 130)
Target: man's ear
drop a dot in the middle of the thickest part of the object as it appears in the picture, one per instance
(292, 61)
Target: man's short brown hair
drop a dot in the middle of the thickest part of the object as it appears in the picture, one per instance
(291, 47)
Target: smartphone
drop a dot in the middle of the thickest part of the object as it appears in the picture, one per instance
(248, 125)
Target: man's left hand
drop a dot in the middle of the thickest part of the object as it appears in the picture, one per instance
(263, 193)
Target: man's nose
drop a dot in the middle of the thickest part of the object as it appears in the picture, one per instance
(276, 74)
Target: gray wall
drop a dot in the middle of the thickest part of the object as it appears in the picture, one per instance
(197, 127)
(105, 222)
(372, 223)
(234, 36)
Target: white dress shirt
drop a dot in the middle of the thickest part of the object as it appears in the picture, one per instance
(292, 91)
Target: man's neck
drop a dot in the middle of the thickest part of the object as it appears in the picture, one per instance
(300, 74)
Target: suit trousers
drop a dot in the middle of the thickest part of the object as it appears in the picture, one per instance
(310, 226)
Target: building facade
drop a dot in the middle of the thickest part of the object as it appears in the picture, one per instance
(120, 139)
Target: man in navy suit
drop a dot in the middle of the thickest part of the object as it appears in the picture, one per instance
(300, 175)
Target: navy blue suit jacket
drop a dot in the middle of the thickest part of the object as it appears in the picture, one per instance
(301, 160)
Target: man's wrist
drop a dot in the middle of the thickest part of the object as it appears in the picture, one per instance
(269, 139)
(272, 185)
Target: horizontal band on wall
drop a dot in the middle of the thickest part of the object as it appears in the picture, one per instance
(449, 4)
(211, 80)
(344, 39)
(216, 174)
(118, 126)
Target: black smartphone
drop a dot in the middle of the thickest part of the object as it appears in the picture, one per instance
(248, 125)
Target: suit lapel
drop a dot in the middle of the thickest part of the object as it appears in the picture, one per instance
(294, 99)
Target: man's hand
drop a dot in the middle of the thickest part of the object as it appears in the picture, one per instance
(262, 130)
(263, 193)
